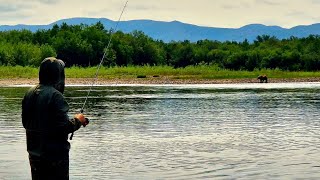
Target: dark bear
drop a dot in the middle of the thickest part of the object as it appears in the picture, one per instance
(263, 78)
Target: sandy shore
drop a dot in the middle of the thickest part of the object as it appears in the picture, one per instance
(163, 80)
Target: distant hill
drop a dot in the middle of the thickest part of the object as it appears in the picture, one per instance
(178, 31)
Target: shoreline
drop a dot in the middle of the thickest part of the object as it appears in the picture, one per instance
(163, 80)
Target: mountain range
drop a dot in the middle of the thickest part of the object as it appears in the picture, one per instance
(179, 31)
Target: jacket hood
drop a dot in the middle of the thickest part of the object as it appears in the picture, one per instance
(52, 73)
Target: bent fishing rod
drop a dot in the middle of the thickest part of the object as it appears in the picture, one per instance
(103, 57)
(105, 53)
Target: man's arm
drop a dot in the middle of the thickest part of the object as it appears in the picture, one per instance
(61, 120)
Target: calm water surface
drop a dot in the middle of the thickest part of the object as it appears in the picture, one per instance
(243, 131)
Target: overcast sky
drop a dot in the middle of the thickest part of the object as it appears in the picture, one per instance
(214, 13)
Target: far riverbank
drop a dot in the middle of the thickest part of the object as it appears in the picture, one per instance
(154, 80)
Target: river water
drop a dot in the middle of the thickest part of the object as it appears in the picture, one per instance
(236, 131)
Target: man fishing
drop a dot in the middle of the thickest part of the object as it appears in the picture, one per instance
(47, 124)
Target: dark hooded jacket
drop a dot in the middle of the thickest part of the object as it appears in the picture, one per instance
(44, 114)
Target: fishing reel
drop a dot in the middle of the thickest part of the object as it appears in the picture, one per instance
(80, 117)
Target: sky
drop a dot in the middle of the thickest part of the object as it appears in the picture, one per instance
(212, 13)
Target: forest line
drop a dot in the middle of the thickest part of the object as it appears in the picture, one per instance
(84, 45)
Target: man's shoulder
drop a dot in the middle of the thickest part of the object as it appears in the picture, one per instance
(31, 91)
(44, 90)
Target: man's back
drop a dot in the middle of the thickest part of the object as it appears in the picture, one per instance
(44, 116)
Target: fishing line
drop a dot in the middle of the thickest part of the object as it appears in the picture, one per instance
(104, 55)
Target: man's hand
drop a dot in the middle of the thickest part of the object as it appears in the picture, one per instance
(80, 117)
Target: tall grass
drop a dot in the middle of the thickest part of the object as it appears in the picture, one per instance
(18, 72)
(190, 72)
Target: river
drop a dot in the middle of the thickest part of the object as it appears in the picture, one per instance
(218, 131)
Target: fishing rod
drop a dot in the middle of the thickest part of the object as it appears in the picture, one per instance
(101, 61)
(104, 55)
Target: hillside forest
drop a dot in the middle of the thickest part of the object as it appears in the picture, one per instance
(84, 45)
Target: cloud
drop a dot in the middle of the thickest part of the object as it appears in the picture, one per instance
(269, 2)
(48, 1)
(141, 7)
(13, 16)
(311, 18)
(110, 11)
(298, 14)
(151, 7)
(9, 12)
(228, 6)
(8, 8)
(34, 1)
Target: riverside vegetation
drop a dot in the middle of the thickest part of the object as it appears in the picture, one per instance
(135, 54)
(131, 72)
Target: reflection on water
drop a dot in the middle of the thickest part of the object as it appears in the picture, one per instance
(255, 131)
